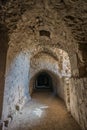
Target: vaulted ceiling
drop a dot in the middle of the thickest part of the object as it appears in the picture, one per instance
(72, 13)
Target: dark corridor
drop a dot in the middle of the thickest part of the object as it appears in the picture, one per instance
(43, 81)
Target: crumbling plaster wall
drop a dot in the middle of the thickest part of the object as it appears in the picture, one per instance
(16, 92)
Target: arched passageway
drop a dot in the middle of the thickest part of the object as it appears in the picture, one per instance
(45, 110)
(33, 48)
(43, 81)
(39, 31)
(46, 80)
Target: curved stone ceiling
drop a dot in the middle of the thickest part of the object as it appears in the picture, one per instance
(72, 12)
(64, 20)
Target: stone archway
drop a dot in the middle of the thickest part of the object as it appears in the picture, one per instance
(55, 82)
(43, 81)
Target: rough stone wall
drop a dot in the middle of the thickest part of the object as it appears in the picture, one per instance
(66, 21)
(3, 53)
(44, 61)
(69, 11)
(78, 100)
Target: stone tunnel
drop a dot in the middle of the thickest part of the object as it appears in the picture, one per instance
(43, 50)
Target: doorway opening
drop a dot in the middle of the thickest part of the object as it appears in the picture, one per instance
(43, 81)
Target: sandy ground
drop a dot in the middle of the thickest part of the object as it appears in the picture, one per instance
(44, 112)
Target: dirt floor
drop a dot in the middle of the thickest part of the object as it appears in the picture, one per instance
(44, 112)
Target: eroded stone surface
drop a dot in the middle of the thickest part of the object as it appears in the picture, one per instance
(42, 27)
